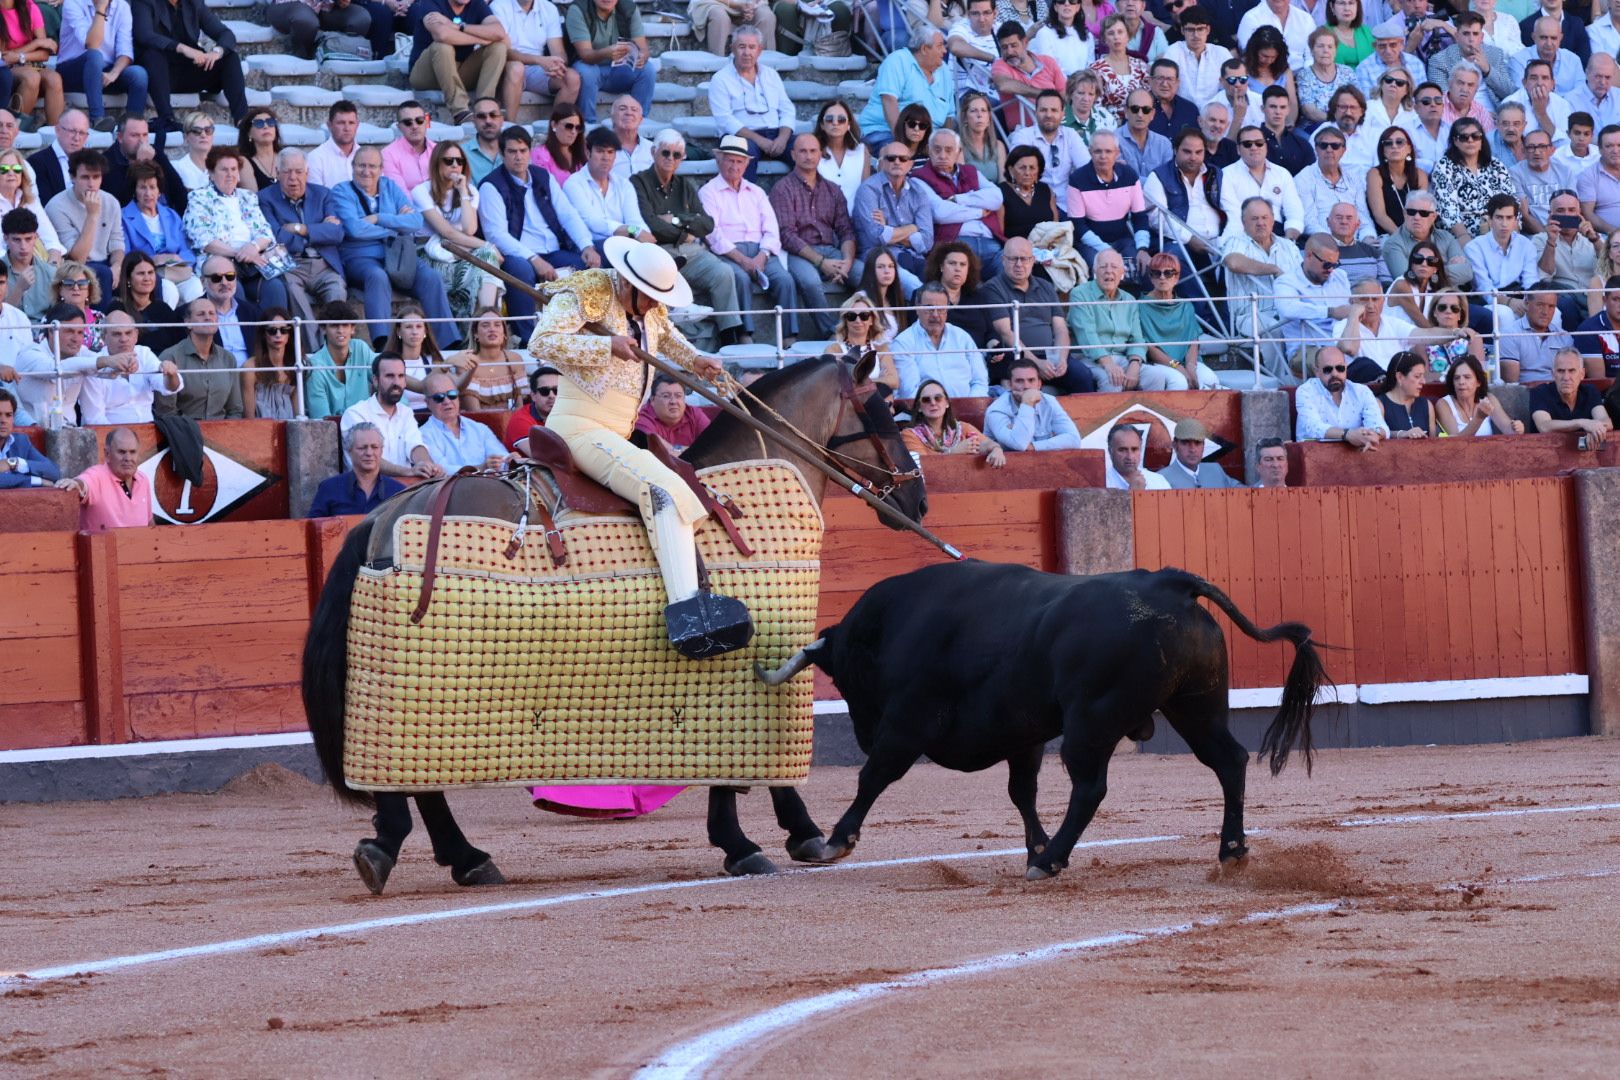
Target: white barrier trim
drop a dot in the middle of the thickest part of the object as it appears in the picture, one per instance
(167, 746)
(1475, 689)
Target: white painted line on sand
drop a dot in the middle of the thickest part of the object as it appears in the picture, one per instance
(693, 1058)
(294, 937)
(1470, 815)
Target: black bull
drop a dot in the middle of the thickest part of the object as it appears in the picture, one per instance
(974, 663)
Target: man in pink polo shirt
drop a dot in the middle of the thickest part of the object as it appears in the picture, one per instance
(1019, 75)
(115, 494)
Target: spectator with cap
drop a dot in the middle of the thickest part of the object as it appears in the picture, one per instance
(673, 211)
(1253, 175)
(667, 415)
(362, 487)
(914, 76)
(1525, 355)
(1568, 404)
(748, 99)
(1124, 471)
(748, 236)
(1024, 418)
(1187, 468)
(1331, 408)
(114, 494)
(1271, 463)
(1389, 50)
(459, 49)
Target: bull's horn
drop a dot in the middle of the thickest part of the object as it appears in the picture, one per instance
(797, 663)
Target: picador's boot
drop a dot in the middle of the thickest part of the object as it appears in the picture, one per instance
(701, 624)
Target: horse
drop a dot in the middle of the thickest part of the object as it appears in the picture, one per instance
(833, 405)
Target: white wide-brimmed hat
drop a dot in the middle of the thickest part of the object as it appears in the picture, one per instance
(649, 268)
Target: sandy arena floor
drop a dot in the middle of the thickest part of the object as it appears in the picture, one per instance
(1426, 947)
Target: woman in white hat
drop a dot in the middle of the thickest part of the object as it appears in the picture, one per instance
(589, 331)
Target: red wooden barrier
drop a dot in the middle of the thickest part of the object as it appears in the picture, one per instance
(43, 702)
(1477, 580)
(1443, 461)
(30, 510)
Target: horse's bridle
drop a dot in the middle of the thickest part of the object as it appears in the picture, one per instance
(892, 475)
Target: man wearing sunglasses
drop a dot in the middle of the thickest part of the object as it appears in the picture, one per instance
(1324, 183)
(1253, 175)
(1389, 51)
(405, 160)
(1331, 408)
(542, 396)
(1311, 297)
(1140, 147)
(457, 441)
(1431, 134)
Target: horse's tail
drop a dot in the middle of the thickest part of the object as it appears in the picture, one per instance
(326, 660)
(1292, 726)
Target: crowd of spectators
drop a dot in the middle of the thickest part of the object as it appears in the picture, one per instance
(1035, 200)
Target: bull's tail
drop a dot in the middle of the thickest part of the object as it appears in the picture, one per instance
(1292, 727)
(326, 660)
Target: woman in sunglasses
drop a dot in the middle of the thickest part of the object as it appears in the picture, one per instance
(17, 193)
(258, 136)
(1400, 394)
(1467, 409)
(857, 337)
(75, 284)
(1391, 103)
(193, 164)
(140, 297)
(1169, 322)
(267, 381)
(562, 154)
(938, 431)
(1465, 179)
(1414, 291)
(449, 204)
(912, 129)
(1449, 337)
(1316, 81)
(845, 160)
(1117, 71)
(1396, 176)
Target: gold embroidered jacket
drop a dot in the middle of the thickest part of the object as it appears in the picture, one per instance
(560, 337)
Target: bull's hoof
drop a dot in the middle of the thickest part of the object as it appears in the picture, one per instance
(751, 865)
(1234, 864)
(374, 865)
(1040, 873)
(811, 850)
(485, 873)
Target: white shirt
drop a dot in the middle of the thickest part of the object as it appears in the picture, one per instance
(1296, 31)
(399, 431)
(1382, 346)
(758, 105)
(38, 387)
(1318, 195)
(1378, 118)
(537, 238)
(846, 177)
(1429, 149)
(1284, 254)
(1117, 482)
(1202, 217)
(1069, 51)
(192, 175)
(1276, 186)
(1603, 35)
(1558, 111)
(529, 31)
(125, 399)
(1200, 76)
(16, 333)
(972, 74)
(1317, 413)
(604, 213)
(1060, 156)
(1361, 150)
(638, 160)
(1604, 113)
(329, 166)
(956, 361)
(1303, 306)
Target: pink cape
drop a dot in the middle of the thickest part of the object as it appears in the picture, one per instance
(605, 801)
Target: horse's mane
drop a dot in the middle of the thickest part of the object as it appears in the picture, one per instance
(765, 388)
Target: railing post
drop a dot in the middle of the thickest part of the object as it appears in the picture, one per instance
(1018, 328)
(1254, 334)
(298, 368)
(1494, 357)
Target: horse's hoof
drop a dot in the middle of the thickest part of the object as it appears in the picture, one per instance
(374, 865)
(485, 873)
(751, 865)
(1039, 873)
(812, 850)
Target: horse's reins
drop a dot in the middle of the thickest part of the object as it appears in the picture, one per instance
(818, 456)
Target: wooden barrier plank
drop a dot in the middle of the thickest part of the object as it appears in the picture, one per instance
(1371, 528)
(35, 670)
(224, 541)
(1555, 509)
(33, 725)
(100, 641)
(174, 595)
(1508, 599)
(1454, 536)
(1532, 560)
(324, 537)
(207, 714)
(213, 657)
(48, 604)
(40, 553)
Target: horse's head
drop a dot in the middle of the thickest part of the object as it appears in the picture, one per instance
(868, 445)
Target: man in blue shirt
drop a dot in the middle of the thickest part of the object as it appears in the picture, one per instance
(1504, 259)
(20, 464)
(1026, 419)
(914, 76)
(1598, 338)
(455, 441)
(362, 488)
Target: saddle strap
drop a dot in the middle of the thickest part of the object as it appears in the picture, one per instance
(554, 536)
(430, 565)
(724, 513)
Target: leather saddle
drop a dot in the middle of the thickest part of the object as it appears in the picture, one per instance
(582, 494)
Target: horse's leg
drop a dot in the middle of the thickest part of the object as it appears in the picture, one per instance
(468, 865)
(1023, 774)
(806, 841)
(725, 832)
(374, 858)
(1201, 721)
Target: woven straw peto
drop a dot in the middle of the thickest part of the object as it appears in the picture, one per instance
(526, 673)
